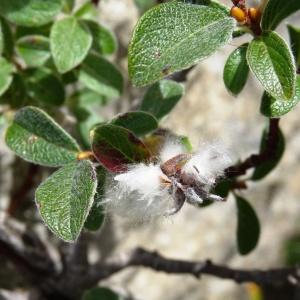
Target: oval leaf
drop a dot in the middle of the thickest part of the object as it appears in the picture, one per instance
(66, 197)
(236, 70)
(140, 123)
(37, 138)
(101, 76)
(276, 11)
(96, 216)
(265, 168)
(115, 147)
(162, 97)
(30, 12)
(294, 34)
(104, 41)
(274, 108)
(70, 42)
(174, 36)
(34, 50)
(248, 228)
(272, 63)
(6, 77)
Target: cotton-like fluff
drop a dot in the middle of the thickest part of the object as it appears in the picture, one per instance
(171, 148)
(139, 194)
(208, 163)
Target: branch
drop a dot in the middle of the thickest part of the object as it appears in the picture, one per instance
(155, 261)
(256, 160)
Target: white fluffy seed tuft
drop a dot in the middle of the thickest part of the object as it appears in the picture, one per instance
(171, 148)
(208, 163)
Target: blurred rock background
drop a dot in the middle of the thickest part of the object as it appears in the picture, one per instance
(207, 112)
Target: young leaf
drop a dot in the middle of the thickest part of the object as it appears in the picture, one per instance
(236, 70)
(68, 6)
(101, 293)
(265, 168)
(248, 228)
(30, 13)
(6, 77)
(274, 108)
(162, 97)
(101, 76)
(44, 86)
(34, 50)
(276, 11)
(96, 216)
(139, 122)
(104, 41)
(174, 36)
(294, 34)
(272, 63)
(115, 147)
(37, 138)
(70, 41)
(66, 197)
(86, 11)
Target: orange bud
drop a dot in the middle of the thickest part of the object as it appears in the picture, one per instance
(85, 155)
(238, 14)
(254, 14)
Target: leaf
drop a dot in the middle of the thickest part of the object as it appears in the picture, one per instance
(272, 63)
(248, 228)
(37, 138)
(86, 11)
(101, 76)
(104, 41)
(140, 123)
(265, 168)
(6, 77)
(1, 40)
(30, 13)
(115, 147)
(70, 41)
(34, 50)
(7, 39)
(68, 6)
(96, 216)
(236, 70)
(15, 96)
(144, 5)
(66, 197)
(100, 294)
(214, 4)
(44, 86)
(174, 36)
(162, 97)
(276, 11)
(294, 34)
(274, 108)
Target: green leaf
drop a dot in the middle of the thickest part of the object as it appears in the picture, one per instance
(1, 40)
(30, 13)
(276, 11)
(213, 4)
(274, 108)
(70, 41)
(34, 50)
(265, 168)
(96, 216)
(272, 63)
(236, 70)
(100, 294)
(6, 77)
(15, 96)
(174, 36)
(294, 34)
(248, 228)
(44, 86)
(68, 6)
(101, 76)
(115, 147)
(37, 138)
(104, 41)
(162, 97)
(66, 197)
(144, 5)
(139, 122)
(86, 11)
(7, 38)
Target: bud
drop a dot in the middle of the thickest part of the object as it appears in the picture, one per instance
(254, 14)
(238, 14)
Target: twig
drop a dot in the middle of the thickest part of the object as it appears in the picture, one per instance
(256, 160)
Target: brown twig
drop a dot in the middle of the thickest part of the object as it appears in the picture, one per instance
(256, 160)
